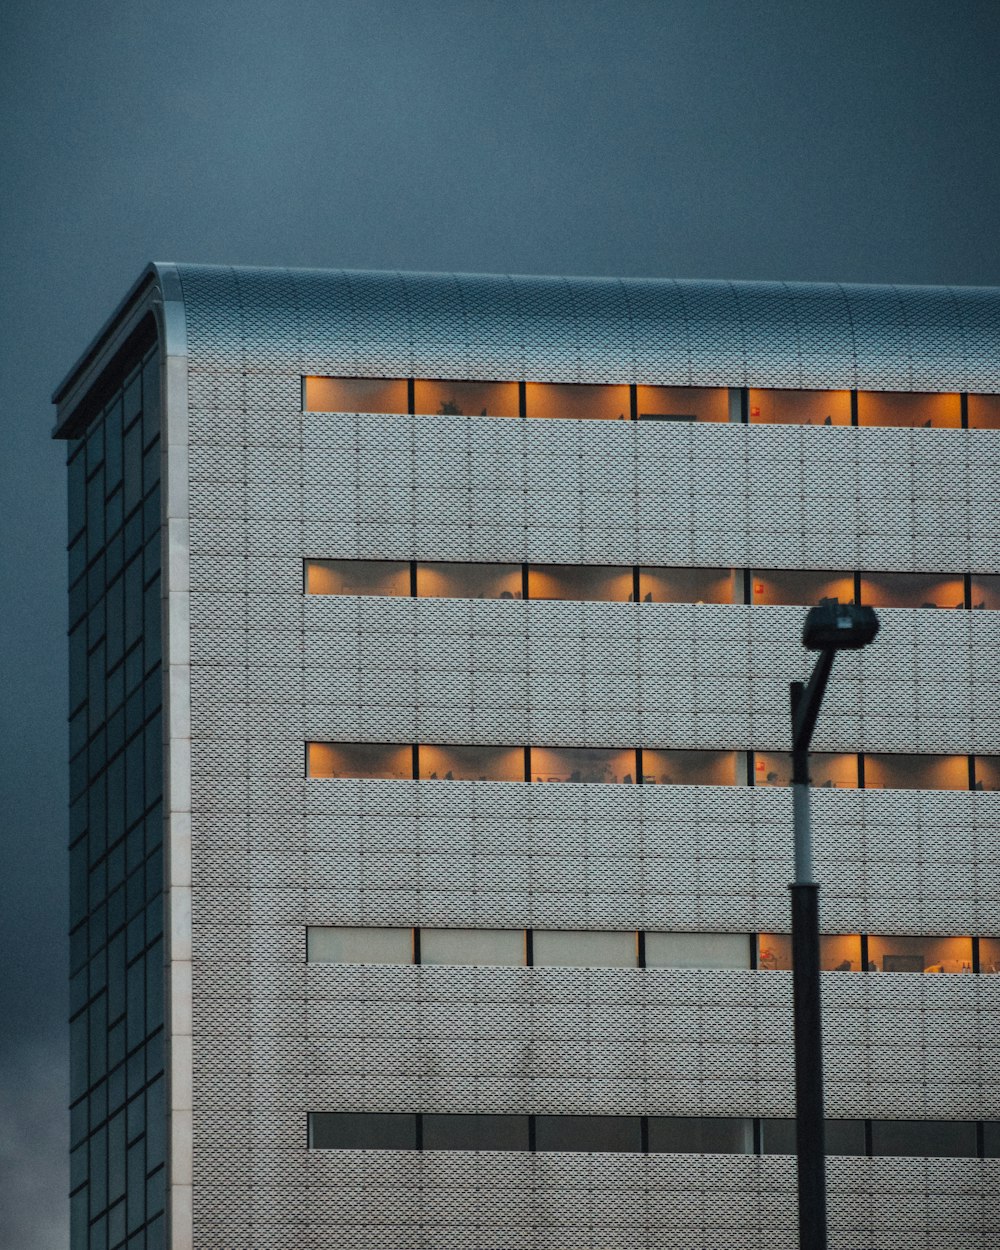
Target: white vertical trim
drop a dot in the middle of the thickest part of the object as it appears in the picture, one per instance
(175, 586)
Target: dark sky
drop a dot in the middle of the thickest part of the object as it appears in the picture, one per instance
(686, 138)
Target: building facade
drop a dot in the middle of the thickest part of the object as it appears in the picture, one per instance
(430, 644)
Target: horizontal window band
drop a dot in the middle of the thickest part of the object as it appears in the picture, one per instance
(622, 583)
(629, 948)
(635, 1134)
(651, 766)
(639, 402)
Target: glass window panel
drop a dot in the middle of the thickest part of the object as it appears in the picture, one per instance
(800, 587)
(580, 581)
(445, 580)
(912, 590)
(682, 403)
(781, 407)
(989, 955)
(355, 395)
(584, 948)
(471, 763)
(475, 1132)
(697, 950)
(986, 591)
(487, 948)
(700, 1135)
(359, 759)
(358, 577)
(991, 1139)
(351, 1130)
(547, 399)
(691, 585)
(840, 952)
(845, 1137)
(909, 408)
(919, 954)
(777, 1136)
(601, 764)
(774, 952)
(984, 412)
(588, 1132)
(828, 770)
(987, 769)
(693, 768)
(339, 944)
(899, 771)
(466, 399)
(940, 1139)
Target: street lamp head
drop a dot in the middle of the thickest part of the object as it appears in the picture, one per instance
(835, 626)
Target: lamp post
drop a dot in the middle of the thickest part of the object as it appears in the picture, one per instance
(828, 628)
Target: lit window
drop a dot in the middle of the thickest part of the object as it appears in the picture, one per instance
(989, 955)
(984, 412)
(580, 582)
(471, 763)
(336, 944)
(919, 954)
(348, 1130)
(985, 591)
(466, 399)
(355, 395)
(912, 590)
(693, 768)
(446, 580)
(691, 585)
(588, 1132)
(584, 948)
(799, 587)
(800, 407)
(475, 1132)
(682, 403)
(496, 948)
(595, 764)
(357, 577)
(705, 1135)
(927, 1139)
(697, 950)
(359, 759)
(987, 769)
(916, 772)
(828, 770)
(909, 408)
(774, 952)
(608, 403)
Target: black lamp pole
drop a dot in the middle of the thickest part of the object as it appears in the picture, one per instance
(829, 628)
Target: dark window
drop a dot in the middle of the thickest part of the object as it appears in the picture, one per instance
(843, 1137)
(991, 1139)
(588, 1132)
(986, 591)
(351, 1130)
(700, 1135)
(475, 1132)
(930, 1139)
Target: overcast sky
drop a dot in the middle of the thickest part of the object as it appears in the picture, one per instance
(683, 138)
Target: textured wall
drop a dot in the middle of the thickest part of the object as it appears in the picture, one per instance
(273, 852)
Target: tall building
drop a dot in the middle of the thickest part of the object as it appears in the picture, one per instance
(430, 834)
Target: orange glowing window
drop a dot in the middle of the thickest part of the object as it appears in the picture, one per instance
(387, 395)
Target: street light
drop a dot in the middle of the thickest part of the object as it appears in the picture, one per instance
(828, 628)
